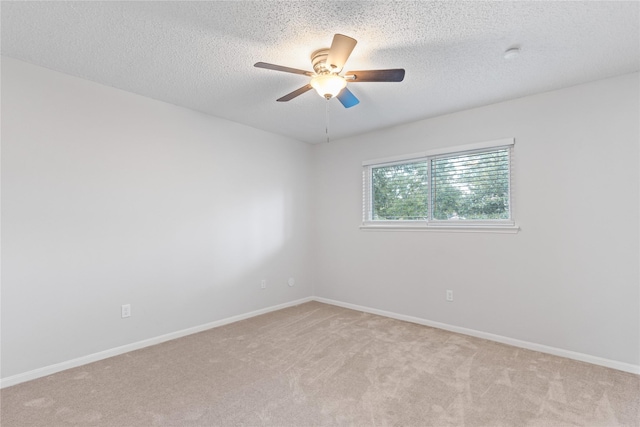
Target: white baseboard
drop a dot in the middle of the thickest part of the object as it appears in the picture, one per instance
(52, 369)
(595, 360)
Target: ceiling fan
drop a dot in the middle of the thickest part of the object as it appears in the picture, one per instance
(327, 81)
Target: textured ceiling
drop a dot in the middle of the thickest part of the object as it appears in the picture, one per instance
(200, 55)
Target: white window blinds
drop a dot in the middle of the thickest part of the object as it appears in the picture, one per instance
(471, 186)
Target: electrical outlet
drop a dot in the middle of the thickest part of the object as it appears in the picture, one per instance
(126, 310)
(449, 295)
(263, 284)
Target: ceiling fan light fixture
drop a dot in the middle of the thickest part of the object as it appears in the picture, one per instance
(327, 66)
(328, 85)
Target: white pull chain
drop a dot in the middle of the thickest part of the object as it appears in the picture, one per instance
(326, 120)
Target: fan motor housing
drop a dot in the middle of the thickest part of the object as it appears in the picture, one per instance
(319, 61)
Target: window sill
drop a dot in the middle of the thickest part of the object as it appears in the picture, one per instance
(510, 228)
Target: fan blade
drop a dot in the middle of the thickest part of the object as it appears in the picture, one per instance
(341, 48)
(394, 75)
(295, 93)
(281, 68)
(347, 98)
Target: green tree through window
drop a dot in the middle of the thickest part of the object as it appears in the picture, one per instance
(473, 187)
(400, 192)
(469, 186)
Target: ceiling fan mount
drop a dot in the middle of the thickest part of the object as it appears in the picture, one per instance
(326, 78)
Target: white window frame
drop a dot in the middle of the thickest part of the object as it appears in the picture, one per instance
(493, 226)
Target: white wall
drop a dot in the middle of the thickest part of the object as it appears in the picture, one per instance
(569, 279)
(111, 198)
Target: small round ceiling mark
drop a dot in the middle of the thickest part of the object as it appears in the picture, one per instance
(511, 53)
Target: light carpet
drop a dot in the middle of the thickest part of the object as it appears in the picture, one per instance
(321, 365)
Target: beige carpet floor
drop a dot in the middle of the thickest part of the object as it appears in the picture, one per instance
(320, 365)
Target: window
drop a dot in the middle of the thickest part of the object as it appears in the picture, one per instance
(468, 188)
